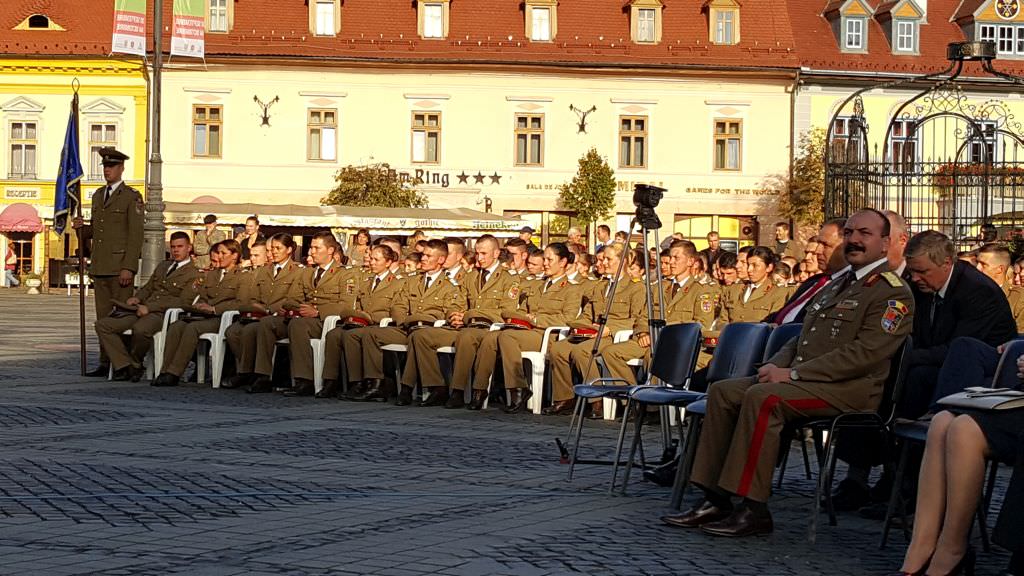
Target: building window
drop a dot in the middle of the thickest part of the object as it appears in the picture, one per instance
(325, 17)
(728, 144)
(846, 143)
(645, 26)
(903, 145)
(207, 131)
(983, 147)
(725, 27)
(433, 19)
(426, 137)
(854, 34)
(529, 139)
(633, 142)
(986, 33)
(100, 136)
(540, 29)
(219, 15)
(906, 36)
(23, 150)
(38, 21)
(322, 143)
(1005, 44)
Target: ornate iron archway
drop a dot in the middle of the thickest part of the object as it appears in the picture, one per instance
(946, 162)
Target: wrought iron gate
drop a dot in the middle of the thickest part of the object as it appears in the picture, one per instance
(947, 163)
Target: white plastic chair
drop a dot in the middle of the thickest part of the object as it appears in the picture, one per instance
(538, 366)
(154, 361)
(218, 350)
(609, 405)
(402, 349)
(320, 351)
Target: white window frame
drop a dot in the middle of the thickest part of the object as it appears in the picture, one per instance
(899, 139)
(725, 27)
(219, 15)
(326, 134)
(905, 36)
(433, 20)
(95, 163)
(986, 32)
(991, 139)
(647, 25)
(540, 26)
(27, 172)
(841, 133)
(325, 17)
(1005, 39)
(850, 34)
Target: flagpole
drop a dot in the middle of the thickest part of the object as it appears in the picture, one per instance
(153, 226)
(81, 244)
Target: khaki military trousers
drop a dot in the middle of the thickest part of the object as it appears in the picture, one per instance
(270, 330)
(143, 329)
(740, 438)
(300, 332)
(476, 354)
(421, 362)
(182, 341)
(241, 337)
(363, 355)
(616, 357)
(334, 353)
(564, 356)
(511, 345)
(104, 290)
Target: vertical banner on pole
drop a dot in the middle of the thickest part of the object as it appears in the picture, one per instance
(129, 27)
(188, 30)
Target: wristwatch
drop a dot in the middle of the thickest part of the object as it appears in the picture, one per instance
(793, 375)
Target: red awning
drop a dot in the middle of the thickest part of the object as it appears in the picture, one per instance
(20, 218)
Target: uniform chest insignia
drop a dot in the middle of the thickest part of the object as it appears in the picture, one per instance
(686, 290)
(768, 288)
(563, 284)
(892, 279)
(350, 288)
(872, 280)
(513, 292)
(847, 305)
(707, 303)
(894, 313)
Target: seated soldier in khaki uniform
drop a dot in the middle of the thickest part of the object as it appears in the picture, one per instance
(376, 296)
(329, 289)
(994, 261)
(423, 299)
(838, 363)
(688, 299)
(489, 291)
(212, 294)
(555, 303)
(264, 294)
(143, 313)
(628, 309)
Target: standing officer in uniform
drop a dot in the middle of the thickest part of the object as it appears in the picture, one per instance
(116, 233)
(203, 241)
(276, 286)
(376, 297)
(143, 313)
(489, 290)
(838, 363)
(423, 299)
(329, 289)
(210, 295)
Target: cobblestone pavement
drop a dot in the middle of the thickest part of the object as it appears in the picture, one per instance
(99, 477)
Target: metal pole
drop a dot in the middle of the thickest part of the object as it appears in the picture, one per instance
(153, 228)
(79, 234)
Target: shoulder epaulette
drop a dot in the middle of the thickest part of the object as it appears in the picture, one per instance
(454, 282)
(892, 279)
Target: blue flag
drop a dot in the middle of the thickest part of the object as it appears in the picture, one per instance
(68, 193)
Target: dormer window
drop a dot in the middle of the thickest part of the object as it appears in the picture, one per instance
(724, 21)
(645, 21)
(433, 18)
(326, 18)
(905, 36)
(854, 40)
(541, 19)
(38, 21)
(220, 15)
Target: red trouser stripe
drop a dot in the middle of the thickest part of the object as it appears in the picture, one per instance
(757, 439)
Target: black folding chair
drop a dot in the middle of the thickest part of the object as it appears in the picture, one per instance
(914, 433)
(740, 347)
(672, 364)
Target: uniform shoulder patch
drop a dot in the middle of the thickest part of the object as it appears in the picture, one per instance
(513, 292)
(894, 314)
(892, 279)
(872, 280)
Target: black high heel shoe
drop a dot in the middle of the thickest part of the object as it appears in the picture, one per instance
(965, 567)
(919, 572)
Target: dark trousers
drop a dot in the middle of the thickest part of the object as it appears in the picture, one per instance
(970, 362)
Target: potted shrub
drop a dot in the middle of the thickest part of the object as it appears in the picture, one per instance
(33, 282)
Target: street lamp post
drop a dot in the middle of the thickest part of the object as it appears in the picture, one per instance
(153, 228)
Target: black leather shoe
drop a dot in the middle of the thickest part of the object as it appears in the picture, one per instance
(520, 396)
(405, 396)
(375, 392)
(302, 387)
(560, 408)
(456, 399)
(238, 381)
(437, 396)
(741, 523)
(596, 411)
(355, 389)
(101, 371)
(262, 385)
(850, 496)
(165, 379)
(330, 389)
(122, 374)
(664, 475)
(702, 513)
(477, 403)
(136, 374)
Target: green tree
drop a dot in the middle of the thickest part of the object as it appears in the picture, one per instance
(591, 194)
(802, 198)
(374, 185)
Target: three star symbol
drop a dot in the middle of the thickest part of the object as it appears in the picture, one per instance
(463, 178)
(495, 179)
(479, 178)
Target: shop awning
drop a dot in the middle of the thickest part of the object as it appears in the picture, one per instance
(377, 220)
(20, 217)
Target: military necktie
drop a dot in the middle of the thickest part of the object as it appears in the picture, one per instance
(376, 282)
(548, 285)
(277, 270)
(426, 283)
(171, 270)
(109, 192)
(675, 290)
(319, 275)
(483, 278)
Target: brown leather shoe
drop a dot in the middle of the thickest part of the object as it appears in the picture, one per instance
(302, 387)
(436, 396)
(479, 397)
(261, 385)
(355, 390)
(456, 399)
(742, 522)
(702, 513)
(330, 390)
(520, 396)
(560, 408)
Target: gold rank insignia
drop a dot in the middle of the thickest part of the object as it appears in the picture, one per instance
(892, 279)
(894, 313)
